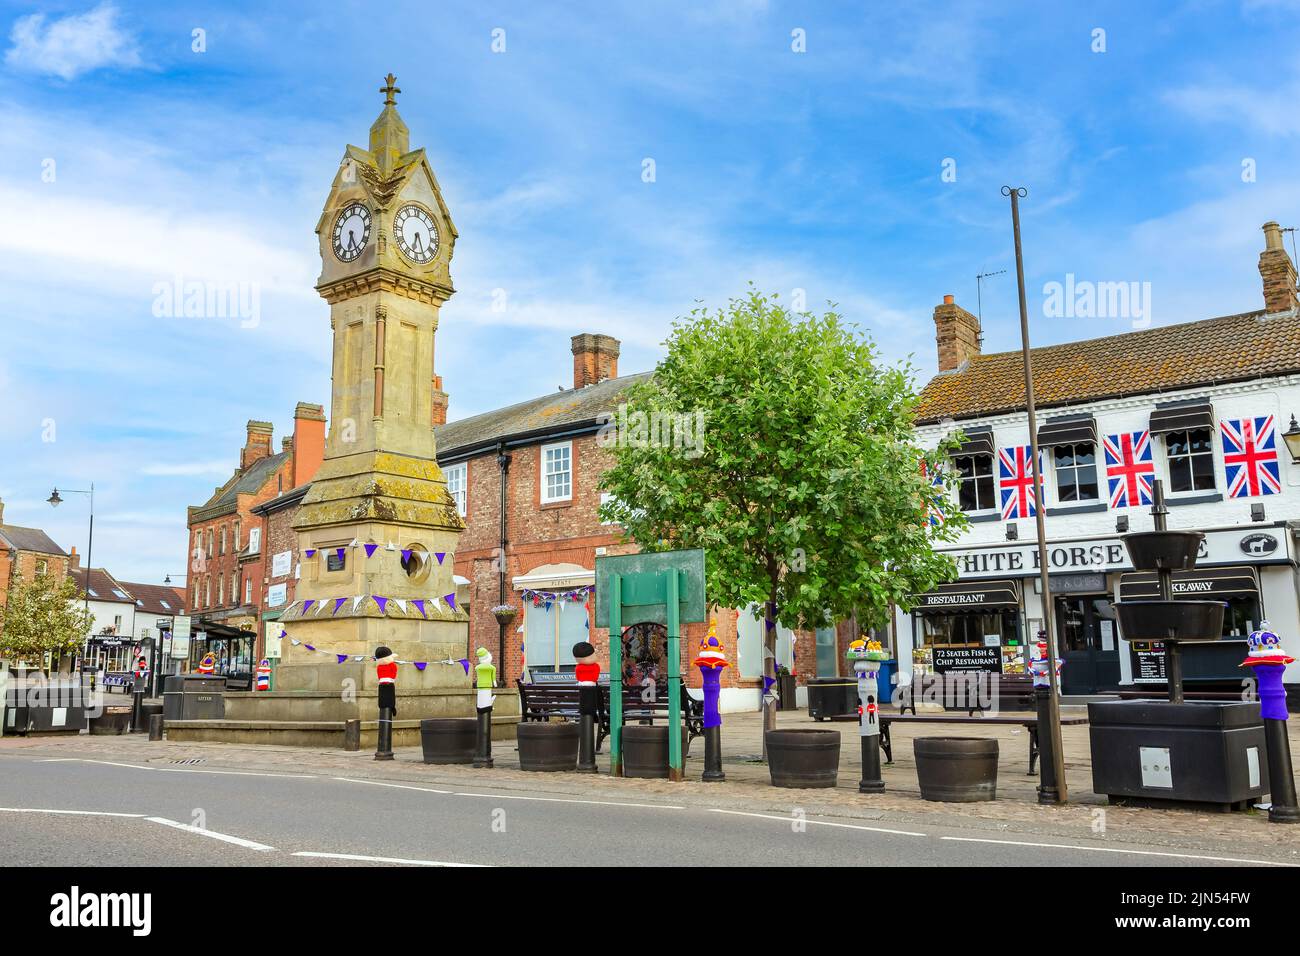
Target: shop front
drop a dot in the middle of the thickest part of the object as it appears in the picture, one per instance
(232, 651)
(969, 625)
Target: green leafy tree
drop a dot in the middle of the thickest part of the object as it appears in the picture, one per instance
(43, 615)
(778, 442)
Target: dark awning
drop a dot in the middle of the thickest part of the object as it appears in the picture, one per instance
(1182, 416)
(979, 441)
(1209, 583)
(968, 596)
(1068, 430)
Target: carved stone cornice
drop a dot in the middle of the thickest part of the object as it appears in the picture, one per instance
(385, 280)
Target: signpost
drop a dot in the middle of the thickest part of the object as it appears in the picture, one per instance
(663, 588)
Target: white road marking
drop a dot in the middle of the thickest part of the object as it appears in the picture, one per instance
(134, 766)
(72, 813)
(820, 823)
(397, 786)
(1107, 849)
(597, 803)
(380, 859)
(224, 837)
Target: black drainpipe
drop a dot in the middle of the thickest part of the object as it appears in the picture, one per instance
(503, 463)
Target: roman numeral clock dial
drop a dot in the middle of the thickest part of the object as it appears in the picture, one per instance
(416, 234)
(351, 232)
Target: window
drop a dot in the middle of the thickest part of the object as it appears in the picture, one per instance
(1076, 472)
(456, 480)
(222, 546)
(235, 543)
(41, 568)
(210, 552)
(248, 590)
(234, 588)
(221, 590)
(207, 592)
(254, 540)
(975, 493)
(1191, 460)
(557, 472)
(550, 634)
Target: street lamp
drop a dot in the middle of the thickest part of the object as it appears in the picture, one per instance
(55, 500)
(167, 579)
(1292, 438)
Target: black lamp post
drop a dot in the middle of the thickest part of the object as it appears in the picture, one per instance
(55, 500)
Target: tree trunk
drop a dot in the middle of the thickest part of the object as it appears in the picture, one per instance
(769, 668)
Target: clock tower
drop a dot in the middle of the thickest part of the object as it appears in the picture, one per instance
(378, 528)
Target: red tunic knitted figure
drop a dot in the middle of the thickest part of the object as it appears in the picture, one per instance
(386, 671)
(587, 673)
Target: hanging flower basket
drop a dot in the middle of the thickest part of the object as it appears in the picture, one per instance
(504, 613)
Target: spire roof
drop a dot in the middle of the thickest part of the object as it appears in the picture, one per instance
(389, 137)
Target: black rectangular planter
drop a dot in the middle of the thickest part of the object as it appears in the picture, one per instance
(1208, 753)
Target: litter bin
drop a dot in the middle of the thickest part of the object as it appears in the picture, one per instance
(885, 682)
(830, 697)
(194, 697)
(787, 688)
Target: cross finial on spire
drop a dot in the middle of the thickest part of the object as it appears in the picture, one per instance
(389, 90)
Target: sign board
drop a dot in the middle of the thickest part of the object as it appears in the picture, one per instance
(273, 641)
(1099, 555)
(643, 599)
(282, 564)
(276, 595)
(948, 659)
(1148, 662)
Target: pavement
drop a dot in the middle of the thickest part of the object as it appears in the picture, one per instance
(204, 803)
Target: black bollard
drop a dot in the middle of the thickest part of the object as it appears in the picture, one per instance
(352, 734)
(713, 755)
(871, 781)
(483, 739)
(1281, 778)
(155, 726)
(1048, 790)
(137, 708)
(586, 743)
(384, 750)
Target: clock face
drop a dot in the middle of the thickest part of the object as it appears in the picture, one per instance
(351, 232)
(416, 234)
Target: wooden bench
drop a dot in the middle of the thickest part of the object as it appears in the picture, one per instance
(969, 689)
(1029, 723)
(541, 702)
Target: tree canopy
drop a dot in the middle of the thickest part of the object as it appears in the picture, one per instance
(42, 615)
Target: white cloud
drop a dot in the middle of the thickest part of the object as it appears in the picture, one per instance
(73, 45)
(187, 469)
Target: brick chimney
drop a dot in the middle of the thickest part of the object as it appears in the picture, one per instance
(438, 406)
(595, 358)
(258, 444)
(956, 333)
(1277, 271)
(308, 444)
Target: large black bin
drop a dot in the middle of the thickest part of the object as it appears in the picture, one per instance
(832, 697)
(194, 697)
(1198, 752)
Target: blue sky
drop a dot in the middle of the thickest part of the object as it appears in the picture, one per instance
(818, 170)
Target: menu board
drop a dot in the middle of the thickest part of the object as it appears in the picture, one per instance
(1148, 662)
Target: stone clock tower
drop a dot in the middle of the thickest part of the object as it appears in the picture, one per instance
(386, 242)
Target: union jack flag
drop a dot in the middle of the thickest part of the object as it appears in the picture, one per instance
(1016, 481)
(1129, 468)
(1250, 456)
(935, 478)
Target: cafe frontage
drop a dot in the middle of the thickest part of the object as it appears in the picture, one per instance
(988, 617)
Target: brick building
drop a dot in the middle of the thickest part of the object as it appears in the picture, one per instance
(226, 555)
(27, 552)
(281, 570)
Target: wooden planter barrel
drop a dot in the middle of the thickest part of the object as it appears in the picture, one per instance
(113, 721)
(548, 746)
(803, 758)
(645, 750)
(448, 739)
(956, 769)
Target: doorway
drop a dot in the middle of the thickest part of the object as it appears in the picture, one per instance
(1088, 637)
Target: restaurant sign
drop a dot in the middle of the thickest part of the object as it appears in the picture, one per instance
(948, 659)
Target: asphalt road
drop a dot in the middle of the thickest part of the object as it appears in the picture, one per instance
(152, 816)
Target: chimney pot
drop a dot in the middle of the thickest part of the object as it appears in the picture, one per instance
(947, 300)
(956, 334)
(1277, 272)
(595, 358)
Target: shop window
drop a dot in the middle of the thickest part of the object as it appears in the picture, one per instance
(1191, 460)
(975, 491)
(828, 658)
(749, 643)
(1076, 472)
(456, 480)
(550, 633)
(557, 472)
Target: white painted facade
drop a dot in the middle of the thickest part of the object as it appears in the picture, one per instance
(1083, 538)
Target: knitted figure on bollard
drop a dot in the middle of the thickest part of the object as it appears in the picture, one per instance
(1267, 659)
(1041, 667)
(208, 665)
(264, 674)
(710, 660)
(485, 678)
(386, 671)
(139, 680)
(587, 674)
(866, 657)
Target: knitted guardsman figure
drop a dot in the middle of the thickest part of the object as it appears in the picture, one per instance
(865, 656)
(207, 665)
(587, 674)
(264, 674)
(485, 678)
(711, 660)
(1267, 659)
(141, 678)
(386, 671)
(1041, 666)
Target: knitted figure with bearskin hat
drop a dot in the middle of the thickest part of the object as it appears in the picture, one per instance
(386, 670)
(587, 674)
